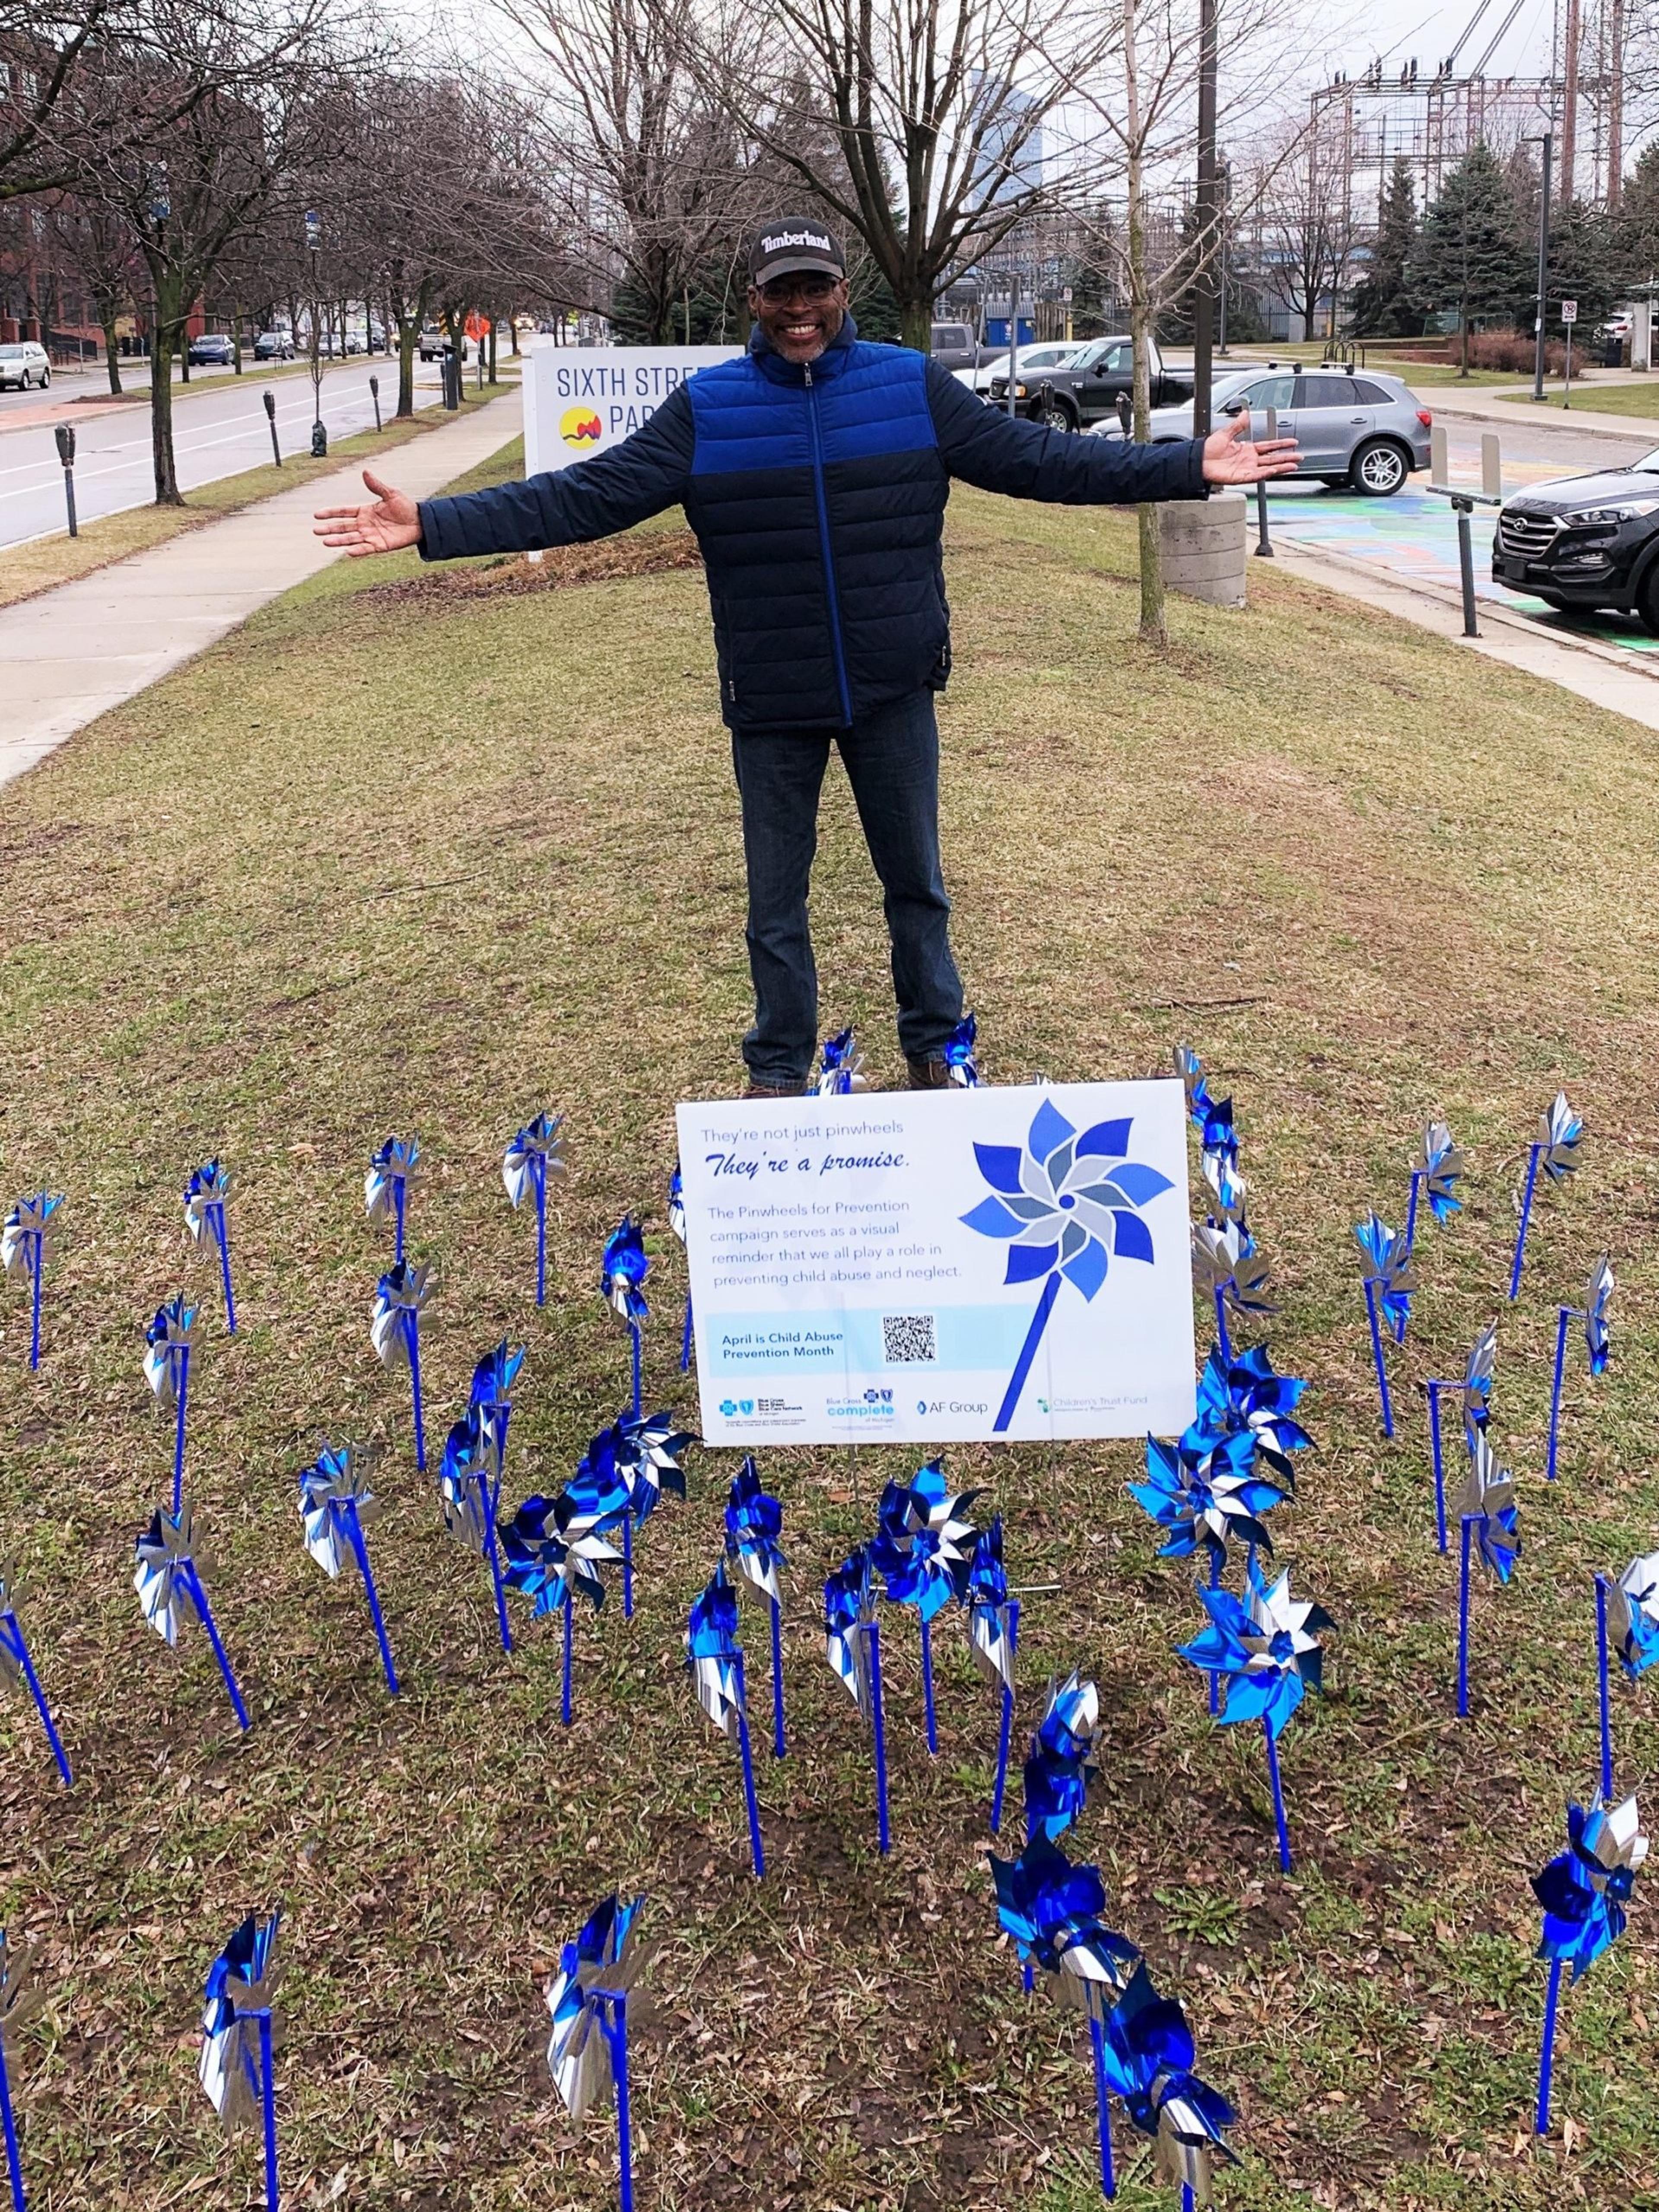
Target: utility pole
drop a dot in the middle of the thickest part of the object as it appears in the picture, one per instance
(1573, 36)
(1615, 81)
(1204, 288)
(1548, 144)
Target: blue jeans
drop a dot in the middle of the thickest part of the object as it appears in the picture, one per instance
(891, 758)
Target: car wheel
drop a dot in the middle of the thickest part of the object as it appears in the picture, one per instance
(46, 378)
(1055, 414)
(1378, 468)
(1647, 602)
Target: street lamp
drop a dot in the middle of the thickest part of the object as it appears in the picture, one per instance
(314, 247)
(1207, 209)
(1547, 141)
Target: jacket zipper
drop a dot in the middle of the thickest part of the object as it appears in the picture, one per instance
(824, 541)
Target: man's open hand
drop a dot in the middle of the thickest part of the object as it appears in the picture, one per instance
(1230, 458)
(384, 525)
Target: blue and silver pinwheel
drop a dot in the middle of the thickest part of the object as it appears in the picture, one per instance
(1201, 1492)
(1388, 1273)
(1266, 1649)
(1554, 1149)
(491, 1396)
(169, 1340)
(961, 1065)
(849, 1615)
(1436, 1169)
(921, 1550)
(1598, 1342)
(547, 1565)
(624, 1266)
(754, 1523)
(1052, 1910)
(587, 1997)
(677, 1225)
(1228, 1193)
(238, 2027)
(465, 1483)
(29, 1237)
(1190, 1068)
(1478, 1379)
(336, 1505)
(394, 1330)
(1245, 1396)
(391, 1173)
(1633, 1615)
(534, 1154)
(1488, 1509)
(1229, 1269)
(840, 1067)
(1149, 2057)
(649, 1450)
(17, 1667)
(206, 1195)
(171, 1580)
(1067, 1205)
(20, 1999)
(713, 1652)
(1064, 1758)
(991, 1623)
(1584, 1891)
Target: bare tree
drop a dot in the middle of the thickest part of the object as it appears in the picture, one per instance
(1310, 229)
(95, 241)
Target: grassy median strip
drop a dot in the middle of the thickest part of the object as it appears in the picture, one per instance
(1593, 398)
(425, 861)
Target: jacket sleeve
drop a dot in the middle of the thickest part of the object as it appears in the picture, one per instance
(647, 472)
(999, 452)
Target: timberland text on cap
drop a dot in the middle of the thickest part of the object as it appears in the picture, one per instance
(794, 244)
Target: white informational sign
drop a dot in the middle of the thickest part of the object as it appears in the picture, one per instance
(579, 399)
(941, 1267)
(1569, 311)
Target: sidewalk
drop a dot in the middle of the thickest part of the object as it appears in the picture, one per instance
(71, 655)
(1486, 403)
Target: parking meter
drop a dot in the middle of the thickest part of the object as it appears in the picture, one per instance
(270, 398)
(65, 434)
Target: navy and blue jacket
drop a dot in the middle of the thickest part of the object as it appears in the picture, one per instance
(818, 496)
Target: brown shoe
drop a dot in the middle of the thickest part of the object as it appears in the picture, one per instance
(775, 1091)
(928, 1074)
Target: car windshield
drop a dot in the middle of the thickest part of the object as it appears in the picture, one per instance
(11, 353)
(1649, 463)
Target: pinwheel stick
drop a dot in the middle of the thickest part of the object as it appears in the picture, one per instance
(1279, 1797)
(1566, 1316)
(1433, 1390)
(628, 1555)
(11, 1633)
(354, 1532)
(35, 1273)
(198, 1598)
(778, 1744)
(1027, 1354)
(538, 1175)
(1602, 1687)
(493, 1548)
(179, 1429)
(568, 1610)
(634, 1332)
(1221, 1335)
(928, 1686)
(878, 1727)
(397, 1205)
(268, 2107)
(1411, 1219)
(1005, 1732)
(1215, 1676)
(412, 1335)
(750, 1802)
(14, 2156)
(1526, 1216)
(686, 1337)
(1546, 2047)
(1469, 1520)
(615, 2029)
(1103, 2108)
(1377, 1355)
(222, 1233)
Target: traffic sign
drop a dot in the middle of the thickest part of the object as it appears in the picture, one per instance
(1569, 311)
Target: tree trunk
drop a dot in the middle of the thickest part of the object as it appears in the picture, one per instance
(236, 338)
(1464, 327)
(1154, 630)
(513, 334)
(164, 332)
(111, 351)
(916, 324)
(493, 379)
(409, 329)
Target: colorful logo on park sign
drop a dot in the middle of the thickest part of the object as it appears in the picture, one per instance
(580, 426)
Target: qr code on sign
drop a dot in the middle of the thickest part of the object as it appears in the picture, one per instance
(908, 1340)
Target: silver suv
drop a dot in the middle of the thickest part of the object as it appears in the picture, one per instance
(23, 365)
(1362, 431)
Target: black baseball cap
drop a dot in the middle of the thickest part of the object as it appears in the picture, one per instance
(794, 243)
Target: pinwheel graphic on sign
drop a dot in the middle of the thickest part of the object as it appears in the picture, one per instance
(921, 1551)
(994, 1640)
(853, 1645)
(1227, 1266)
(1555, 1148)
(1491, 1523)
(841, 1068)
(622, 1270)
(1149, 2057)
(961, 1065)
(1067, 1206)
(28, 1238)
(1064, 1758)
(550, 1560)
(754, 1522)
(1438, 1165)
(170, 1338)
(391, 1173)
(205, 1195)
(1055, 1913)
(394, 1330)
(1628, 1614)
(336, 1504)
(17, 1666)
(239, 2032)
(588, 1999)
(1390, 1281)
(20, 1999)
(1598, 1344)
(470, 1485)
(169, 1577)
(1583, 1892)
(1267, 1649)
(677, 1223)
(716, 1660)
(534, 1154)
(1475, 1391)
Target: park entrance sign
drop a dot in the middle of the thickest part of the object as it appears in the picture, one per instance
(581, 399)
(941, 1267)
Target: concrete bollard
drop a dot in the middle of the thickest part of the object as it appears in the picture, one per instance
(1204, 542)
(1438, 464)
(1492, 465)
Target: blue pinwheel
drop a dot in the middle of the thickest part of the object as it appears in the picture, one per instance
(1598, 1344)
(169, 1339)
(470, 1486)
(1228, 1268)
(624, 1266)
(391, 1171)
(28, 1238)
(962, 1067)
(1067, 1205)
(336, 1505)
(17, 1666)
(840, 1067)
(1389, 1282)
(1149, 2057)
(394, 1330)
(536, 1152)
(206, 1195)
(921, 1551)
(852, 1639)
(20, 1999)
(647, 1450)
(552, 1561)
(587, 1997)
(1633, 1604)
(1201, 1492)
(1190, 1068)
(994, 1639)
(1583, 1892)
(491, 1395)
(754, 1522)
(1555, 1148)
(716, 1658)
(1246, 1397)
(1491, 1538)
(171, 1577)
(1438, 1165)
(676, 1225)
(238, 2033)
(1063, 1759)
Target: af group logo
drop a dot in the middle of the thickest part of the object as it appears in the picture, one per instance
(580, 426)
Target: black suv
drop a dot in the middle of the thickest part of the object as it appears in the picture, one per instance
(1589, 541)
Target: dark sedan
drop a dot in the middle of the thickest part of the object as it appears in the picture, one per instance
(1586, 542)
(212, 350)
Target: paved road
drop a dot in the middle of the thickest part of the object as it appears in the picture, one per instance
(216, 433)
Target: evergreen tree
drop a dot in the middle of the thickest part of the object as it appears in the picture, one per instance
(1470, 258)
(1381, 304)
(1638, 217)
(1588, 263)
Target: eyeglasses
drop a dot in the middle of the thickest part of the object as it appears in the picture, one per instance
(777, 290)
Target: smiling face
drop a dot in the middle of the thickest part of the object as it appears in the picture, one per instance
(800, 314)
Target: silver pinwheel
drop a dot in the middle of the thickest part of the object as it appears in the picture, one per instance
(534, 1154)
(336, 1505)
(394, 1330)
(589, 1998)
(239, 2036)
(1555, 1149)
(171, 1579)
(29, 1237)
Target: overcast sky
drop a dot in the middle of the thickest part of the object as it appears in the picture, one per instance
(1398, 29)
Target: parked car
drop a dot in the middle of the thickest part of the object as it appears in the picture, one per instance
(273, 345)
(212, 350)
(954, 346)
(1585, 541)
(1084, 392)
(1031, 361)
(434, 344)
(24, 364)
(1364, 433)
